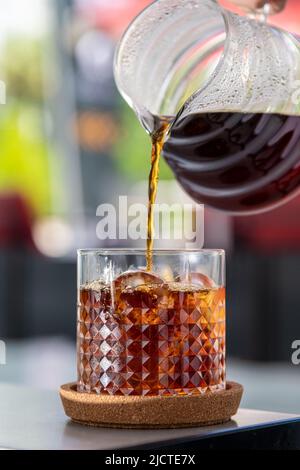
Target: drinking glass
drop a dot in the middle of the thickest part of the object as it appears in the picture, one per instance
(151, 333)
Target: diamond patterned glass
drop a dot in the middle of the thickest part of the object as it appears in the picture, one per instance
(158, 333)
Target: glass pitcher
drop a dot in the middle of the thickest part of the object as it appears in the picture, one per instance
(230, 88)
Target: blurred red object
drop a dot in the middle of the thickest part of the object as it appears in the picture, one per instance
(111, 16)
(270, 231)
(114, 16)
(15, 222)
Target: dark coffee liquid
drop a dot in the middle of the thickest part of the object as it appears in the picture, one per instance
(150, 339)
(236, 162)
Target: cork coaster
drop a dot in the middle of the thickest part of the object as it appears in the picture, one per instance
(151, 412)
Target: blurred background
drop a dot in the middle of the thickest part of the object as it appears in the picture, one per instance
(68, 144)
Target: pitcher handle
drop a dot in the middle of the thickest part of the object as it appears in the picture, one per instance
(260, 9)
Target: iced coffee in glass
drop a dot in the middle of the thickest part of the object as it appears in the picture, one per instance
(158, 332)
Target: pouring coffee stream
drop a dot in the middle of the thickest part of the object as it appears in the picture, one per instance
(158, 138)
(217, 95)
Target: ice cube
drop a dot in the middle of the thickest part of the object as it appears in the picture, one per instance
(197, 279)
(138, 289)
(132, 279)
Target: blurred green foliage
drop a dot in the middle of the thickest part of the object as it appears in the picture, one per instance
(24, 148)
(22, 63)
(133, 149)
(24, 154)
